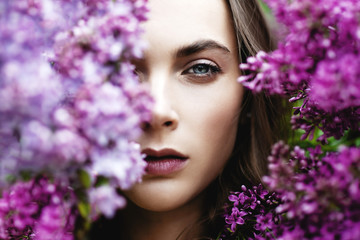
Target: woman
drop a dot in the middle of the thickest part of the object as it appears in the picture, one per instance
(208, 135)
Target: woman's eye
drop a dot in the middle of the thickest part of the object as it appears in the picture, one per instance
(202, 70)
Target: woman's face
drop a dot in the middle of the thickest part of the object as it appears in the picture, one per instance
(191, 66)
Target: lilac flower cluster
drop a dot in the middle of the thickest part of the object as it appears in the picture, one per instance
(317, 197)
(320, 195)
(36, 210)
(251, 213)
(316, 65)
(317, 62)
(70, 100)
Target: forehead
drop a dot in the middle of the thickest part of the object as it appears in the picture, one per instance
(180, 22)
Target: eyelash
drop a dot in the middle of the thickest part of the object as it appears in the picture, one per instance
(213, 69)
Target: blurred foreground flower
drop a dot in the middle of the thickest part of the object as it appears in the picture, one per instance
(37, 209)
(70, 110)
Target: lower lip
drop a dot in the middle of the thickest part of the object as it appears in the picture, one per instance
(165, 166)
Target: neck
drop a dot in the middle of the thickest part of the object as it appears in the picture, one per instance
(141, 224)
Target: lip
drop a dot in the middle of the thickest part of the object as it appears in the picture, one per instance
(164, 161)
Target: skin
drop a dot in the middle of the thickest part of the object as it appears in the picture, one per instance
(191, 67)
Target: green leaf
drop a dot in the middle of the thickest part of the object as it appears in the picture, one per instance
(84, 209)
(10, 179)
(84, 178)
(264, 7)
(26, 175)
(357, 142)
(101, 181)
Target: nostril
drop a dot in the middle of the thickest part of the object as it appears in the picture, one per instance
(168, 123)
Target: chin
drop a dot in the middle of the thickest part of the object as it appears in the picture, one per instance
(158, 205)
(159, 196)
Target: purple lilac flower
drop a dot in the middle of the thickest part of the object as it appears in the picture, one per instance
(335, 85)
(105, 200)
(251, 214)
(317, 62)
(309, 117)
(36, 209)
(70, 100)
(52, 224)
(310, 196)
(319, 196)
(27, 95)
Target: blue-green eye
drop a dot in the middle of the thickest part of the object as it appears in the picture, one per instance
(203, 69)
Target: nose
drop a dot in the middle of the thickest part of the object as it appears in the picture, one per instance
(164, 115)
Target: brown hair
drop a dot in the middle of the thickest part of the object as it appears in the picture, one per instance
(262, 119)
(261, 123)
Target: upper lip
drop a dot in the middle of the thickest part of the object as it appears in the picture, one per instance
(165, 152)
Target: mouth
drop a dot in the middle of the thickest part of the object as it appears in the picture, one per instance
(164, 161)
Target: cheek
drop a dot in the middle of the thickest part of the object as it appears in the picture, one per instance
(212, 114)
(212, 124)
(219, 120)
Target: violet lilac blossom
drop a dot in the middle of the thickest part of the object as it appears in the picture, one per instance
(317, 62)
(70, 110)
(309, 196)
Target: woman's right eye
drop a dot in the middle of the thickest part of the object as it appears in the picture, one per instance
(202, 69)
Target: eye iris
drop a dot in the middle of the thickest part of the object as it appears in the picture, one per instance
(201, 69)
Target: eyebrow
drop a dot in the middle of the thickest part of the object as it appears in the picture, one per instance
(199, 46)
